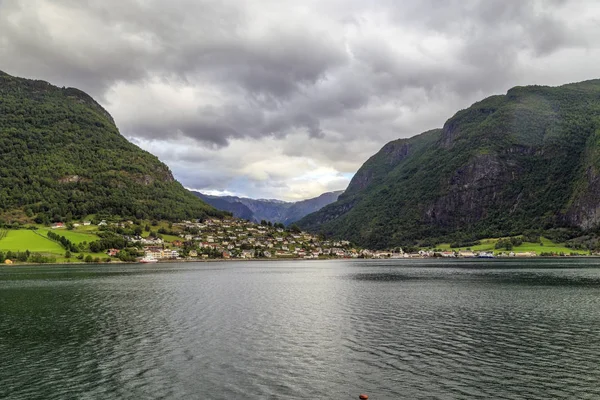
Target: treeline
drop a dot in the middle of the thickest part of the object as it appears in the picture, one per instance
(26, 256)
(126, 255)
(64, 242)
(109, 241)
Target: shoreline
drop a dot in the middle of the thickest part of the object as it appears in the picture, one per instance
(220, 260)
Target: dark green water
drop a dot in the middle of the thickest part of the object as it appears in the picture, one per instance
(313, 330)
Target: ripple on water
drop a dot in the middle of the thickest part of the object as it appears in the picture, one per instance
(302, 330)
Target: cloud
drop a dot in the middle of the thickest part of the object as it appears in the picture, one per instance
(265, 98)
(263, 168)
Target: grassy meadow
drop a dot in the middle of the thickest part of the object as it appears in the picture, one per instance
(37, 241)
(546, 246)
(76, 235)
(25, 239)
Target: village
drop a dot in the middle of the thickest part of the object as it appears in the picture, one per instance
(96, 240)
(240, 239)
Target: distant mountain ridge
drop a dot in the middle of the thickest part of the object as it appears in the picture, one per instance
(527, 160)
(276, 211)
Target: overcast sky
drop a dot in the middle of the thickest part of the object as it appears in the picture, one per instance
(286, 99)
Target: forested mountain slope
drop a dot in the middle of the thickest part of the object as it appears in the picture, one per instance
(62, 157)
(527, 160)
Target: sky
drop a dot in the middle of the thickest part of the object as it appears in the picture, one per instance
(286, 99)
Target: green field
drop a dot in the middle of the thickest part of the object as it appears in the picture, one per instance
(21, 240)
(75, 236)
(37, 242)
(170, 238)
(489, 245)
(83, 228)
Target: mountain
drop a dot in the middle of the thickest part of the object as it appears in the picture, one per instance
(276, 211)
(229, 204)
(301, 208)
(62, 157)
(527, 160)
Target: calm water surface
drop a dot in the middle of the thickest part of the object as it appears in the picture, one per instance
(315, 330)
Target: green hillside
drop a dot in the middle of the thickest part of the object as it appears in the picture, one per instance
(62, 157)
(527, 160)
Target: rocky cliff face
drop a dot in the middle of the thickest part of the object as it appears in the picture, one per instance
(584, 207)
(472, 191)
(526, 160)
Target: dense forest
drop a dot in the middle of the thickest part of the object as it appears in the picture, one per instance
(62, 158)
(527, 160)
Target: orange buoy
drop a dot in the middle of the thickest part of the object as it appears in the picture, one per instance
(363, 397)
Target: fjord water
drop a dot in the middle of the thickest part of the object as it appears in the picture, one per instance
(313, 330)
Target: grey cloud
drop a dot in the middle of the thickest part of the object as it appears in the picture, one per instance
(277, 69)
(311, 124)
(349, 74)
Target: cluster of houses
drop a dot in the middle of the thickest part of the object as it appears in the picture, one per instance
(448, 254)
(60, 225)
(232, 238)
(472, 254)
(240, 239)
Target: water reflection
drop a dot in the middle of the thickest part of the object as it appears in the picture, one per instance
(393, 329)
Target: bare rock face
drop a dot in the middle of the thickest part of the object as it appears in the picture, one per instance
(396, 152)
(472, 190)
(72, 179)
(450, 132)
(585, 210)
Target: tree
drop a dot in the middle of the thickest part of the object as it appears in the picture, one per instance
(505, 244)
(67, 254)
(89, 259)
(95, 247)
